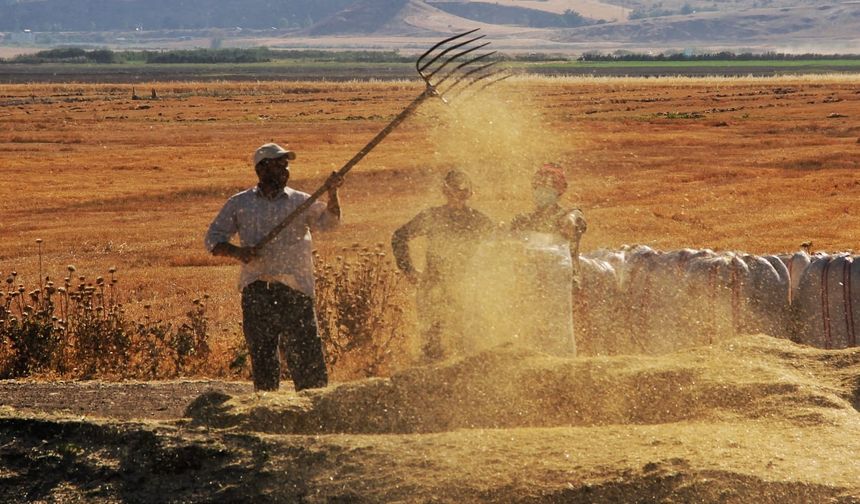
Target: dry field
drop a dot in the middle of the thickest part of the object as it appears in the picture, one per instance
(758, 165)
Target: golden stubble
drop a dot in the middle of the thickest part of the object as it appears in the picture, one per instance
(753, 164)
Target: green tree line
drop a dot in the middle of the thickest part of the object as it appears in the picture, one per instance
(225, 55)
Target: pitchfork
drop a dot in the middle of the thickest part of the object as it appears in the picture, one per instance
(448, 69)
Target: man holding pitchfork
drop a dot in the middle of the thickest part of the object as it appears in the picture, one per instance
(277, 280)
(453, 232)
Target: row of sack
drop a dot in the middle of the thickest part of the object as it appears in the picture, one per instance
(638, 299)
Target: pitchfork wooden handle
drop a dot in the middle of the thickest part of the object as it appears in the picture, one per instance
(428, 92)
(453, 55)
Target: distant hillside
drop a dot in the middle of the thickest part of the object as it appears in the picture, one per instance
(797, 26)
(495, 13)
(104, 15)
(366, 16)
(334, 16)
(375, 16)
(595, 9)
(556, 25)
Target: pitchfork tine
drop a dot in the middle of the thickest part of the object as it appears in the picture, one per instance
(455, 46)
(479, 79)
(469, 73)
(439, 44)
(456, 57)
(483, 77)
(500, 79)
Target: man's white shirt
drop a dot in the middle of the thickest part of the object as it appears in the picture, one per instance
(288, 257)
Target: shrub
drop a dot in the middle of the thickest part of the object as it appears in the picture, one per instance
(230, 55)
(81, 329)
(69, 55)
(341, 56)
(360, 310)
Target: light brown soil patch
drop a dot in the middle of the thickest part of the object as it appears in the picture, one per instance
(152, 400)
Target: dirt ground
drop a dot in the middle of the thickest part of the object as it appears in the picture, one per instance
(753, 419)
(152, 400)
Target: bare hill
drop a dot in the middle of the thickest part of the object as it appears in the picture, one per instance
(392, 17)
(365, 16)
(799, 26)
(820, 28)
(544, 25)
(595, 9)
(410, 18)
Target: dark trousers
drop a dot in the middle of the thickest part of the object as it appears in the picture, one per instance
(277, 316)
(440, 316)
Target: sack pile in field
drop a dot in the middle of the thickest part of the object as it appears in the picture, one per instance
(638, 299)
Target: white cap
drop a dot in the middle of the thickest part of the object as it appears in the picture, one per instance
(272, 151)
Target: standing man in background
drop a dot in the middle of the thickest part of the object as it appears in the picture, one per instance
(453, 232)
(548, 185)
(277, 281)
(550, 234)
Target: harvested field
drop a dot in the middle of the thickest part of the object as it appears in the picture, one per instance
(755, 165)
(759, 165)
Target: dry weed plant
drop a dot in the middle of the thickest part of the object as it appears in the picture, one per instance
(359, 304)
(81, 329)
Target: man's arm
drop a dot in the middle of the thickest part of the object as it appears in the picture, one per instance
(334, 182)
(485, 226)
(520, 222)
(573, 225)
(227, 249)
(222, 229)
(323, 217)
(400, 244)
